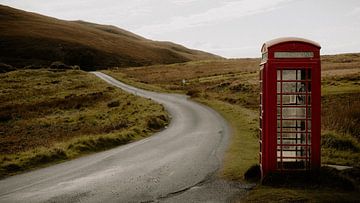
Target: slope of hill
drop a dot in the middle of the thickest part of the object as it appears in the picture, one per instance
(32, 39)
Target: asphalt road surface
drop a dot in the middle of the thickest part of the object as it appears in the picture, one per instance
(175, 165)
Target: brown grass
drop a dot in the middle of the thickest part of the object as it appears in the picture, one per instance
(32, 39)
(47, 116)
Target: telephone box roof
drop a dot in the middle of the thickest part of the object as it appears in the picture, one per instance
(273, 42)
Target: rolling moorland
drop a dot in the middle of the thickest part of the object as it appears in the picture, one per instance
(231, 87)
(31, 40)
(50, 115)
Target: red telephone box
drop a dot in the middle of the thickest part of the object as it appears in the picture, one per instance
(290, 84)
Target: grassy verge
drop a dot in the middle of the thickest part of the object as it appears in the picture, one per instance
(244, 124)
(48, 116)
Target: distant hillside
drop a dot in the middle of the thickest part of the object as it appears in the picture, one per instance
(32, 39)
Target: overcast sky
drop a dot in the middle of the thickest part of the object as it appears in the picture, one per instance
(230, 28)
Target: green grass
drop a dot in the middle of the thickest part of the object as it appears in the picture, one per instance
(50, 116)
(340, 149)
(244, 139)
(341, 84)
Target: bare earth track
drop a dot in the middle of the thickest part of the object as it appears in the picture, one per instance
(175, 165)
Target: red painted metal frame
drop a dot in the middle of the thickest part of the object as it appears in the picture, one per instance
(268, 105)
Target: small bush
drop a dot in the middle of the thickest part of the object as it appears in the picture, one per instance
(193, 93)
(4, 68)
(156, 123)
(253, 173)
(339, 142)
(59, 65)
(32, 67)
(113, 104)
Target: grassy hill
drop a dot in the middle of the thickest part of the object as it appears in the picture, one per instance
(32, 39)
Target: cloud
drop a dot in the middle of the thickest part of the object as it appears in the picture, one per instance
(182, 2)
(229, 10)
(355, 12)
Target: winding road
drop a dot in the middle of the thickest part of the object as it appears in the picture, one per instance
(175, 165)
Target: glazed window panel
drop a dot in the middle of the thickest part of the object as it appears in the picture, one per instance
(295, 74)
(293, 125)
(278, 87)
(294, 112)
(278, 73)
(290, 74)
(292, 163)
(292, 87)
(293, 99)
(278, 99)
(293, 138)
(279, 124)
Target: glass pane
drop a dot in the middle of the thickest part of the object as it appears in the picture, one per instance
(294, 138)
(309, 87)
(278, 72)
(278, 99)
(293, 87)
(294, 74)
(309, 74)
(289, 74)
(278, 138)
(279, 151)
(293, 112)
(309, 138)
(300, 99)
(278, 87)
(294, 150)
(292, 163)
(292, 125)
(303, 74)
(293, 99)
